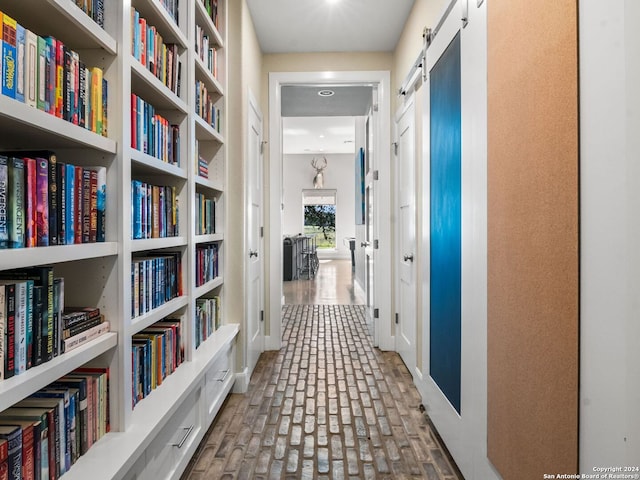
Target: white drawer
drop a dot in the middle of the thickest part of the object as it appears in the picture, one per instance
(137, 471)
(218, 381)
(168, 449)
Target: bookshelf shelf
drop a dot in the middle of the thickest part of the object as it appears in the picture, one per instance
(22, 125)
(156, 15)
(208, 287)
(157, 314)
(204, 20)
(142, 161)
(64, 20)
(16, 388)
(114, 455)
(209, 184)
(212, 83)
(152, 90)
(205, 132)
(29, 257)
(146, 244)
(214, 237)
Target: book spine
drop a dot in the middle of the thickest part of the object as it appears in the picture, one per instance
(60, 78)
(93, 206)
(86, 336)
(67, 81)
(70, 205)
(31, 75)
(58, 308)
(75, 75)
(29, 324)
(48, 272)
(101, 202)
(16, 203)
(79, 328)
(21, 62)
(20, 364)
(38, 308)
(53, 200)
(9, 61)
(14, 441)
(78, 205)
(82, 94)
(30, 235)
(42, 202)
(4, 202)
(41, 86)
(3, 323)
(86, 205)
(10, 343)
(61, 201)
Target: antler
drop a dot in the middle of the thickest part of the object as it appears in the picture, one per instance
(314, 164)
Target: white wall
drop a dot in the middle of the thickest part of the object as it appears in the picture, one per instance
(610, 234)
(360, 271)
(339, 175)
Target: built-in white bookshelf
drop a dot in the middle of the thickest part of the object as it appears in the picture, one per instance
(179, 411)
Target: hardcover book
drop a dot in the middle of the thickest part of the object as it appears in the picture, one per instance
(9, 59)
(31, 70)
(4, 202)
(16, 203)
(21, 61)
(13, 435)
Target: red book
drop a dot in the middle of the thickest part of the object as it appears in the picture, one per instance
(4, 459)
(42, 202)
(77, 195)
(59, 78)
(30, 202)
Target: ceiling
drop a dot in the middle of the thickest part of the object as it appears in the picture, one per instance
(318, 135)
(285, 26)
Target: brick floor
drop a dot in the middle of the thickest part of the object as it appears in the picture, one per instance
(326, 406)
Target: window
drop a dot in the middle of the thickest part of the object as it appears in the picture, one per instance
(320, 216)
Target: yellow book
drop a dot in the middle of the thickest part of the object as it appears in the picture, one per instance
(96, 100)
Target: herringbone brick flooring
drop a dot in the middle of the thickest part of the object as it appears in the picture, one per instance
(326, 406)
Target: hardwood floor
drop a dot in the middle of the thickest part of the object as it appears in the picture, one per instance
(332, 285)
(328, 405)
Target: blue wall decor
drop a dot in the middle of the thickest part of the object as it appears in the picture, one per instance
(446, 239)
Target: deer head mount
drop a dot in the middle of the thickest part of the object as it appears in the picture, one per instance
(319, 165)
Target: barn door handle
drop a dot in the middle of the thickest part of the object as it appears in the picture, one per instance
(408, 258)
(253, 253)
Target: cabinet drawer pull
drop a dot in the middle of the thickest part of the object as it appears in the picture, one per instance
(224, 377)
(184, 438)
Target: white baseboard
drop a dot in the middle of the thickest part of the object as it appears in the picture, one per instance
(241, 384)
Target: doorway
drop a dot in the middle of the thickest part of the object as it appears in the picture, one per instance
(379, 197)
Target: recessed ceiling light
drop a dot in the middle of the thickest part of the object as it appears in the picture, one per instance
(321, 136)
(326, 93)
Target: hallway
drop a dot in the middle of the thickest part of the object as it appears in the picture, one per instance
(332, 285)
(327, 405)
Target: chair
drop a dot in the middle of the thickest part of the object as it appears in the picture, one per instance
(310, 262)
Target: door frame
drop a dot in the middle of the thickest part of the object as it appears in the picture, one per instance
(253, 105)
(382, 257)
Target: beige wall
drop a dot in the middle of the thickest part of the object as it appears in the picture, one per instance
(245, 66)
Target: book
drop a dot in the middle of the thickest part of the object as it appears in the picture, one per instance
(42, 102)
(100, 202)
(61, 201)
(58, 308)
(86, 336)
(13, 435)
(100, 375)
(39, 309)
(9, 336)
(42, 202)
(96, 100)
(3, 321)
(16, 202)
(9, 60)
(4, 455)
(70, 203)
(31, 69)
(20, 364)
(86, 205)
(78, 387)
(21, 61)
(52, 160)
(30, 447)
(30, 232)
(44, 418)
(65, 410)
(79, 204)
(4, 202)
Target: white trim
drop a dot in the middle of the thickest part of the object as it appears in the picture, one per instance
(382, 256)
(241, 384)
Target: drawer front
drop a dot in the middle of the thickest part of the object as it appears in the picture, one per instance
(217, 381)
(168, 449)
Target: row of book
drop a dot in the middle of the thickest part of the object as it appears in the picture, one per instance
(42, 436)
(152, 134)
(211, 6)
(148, 47)
(45, 74)
(206, 263)
(154, 281)
(207, 318)
(208, 54)
(172, 7)
(35, 325)
(206, 107)
(156, 353)
(203, 167)
(45, 202)
(205, 215)
(154, 211)
(94, 9)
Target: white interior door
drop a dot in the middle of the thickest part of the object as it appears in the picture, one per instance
(253, 307)
(369, 221)
(406, 235)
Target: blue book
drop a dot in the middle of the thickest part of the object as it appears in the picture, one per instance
(9, 60)
(21, 56)
(136, 35)
(136, 203)
(69, 196)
